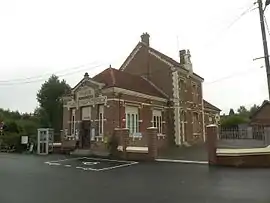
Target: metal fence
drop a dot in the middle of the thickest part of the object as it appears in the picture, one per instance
(255, 133)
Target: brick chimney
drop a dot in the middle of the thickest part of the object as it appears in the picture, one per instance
(185, 60)
(145, 38)
(182, 54)
(86, 75)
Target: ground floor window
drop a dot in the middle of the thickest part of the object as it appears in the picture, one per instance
(196, 125)
(73, 122)
(101, 120)
(157, 120)
(132, 119)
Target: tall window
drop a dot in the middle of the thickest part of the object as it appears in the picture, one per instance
(73, 122)
(196, 126)
(132, 119)
(194, 92)
(199, 95)
(157, 120)
(101, 120)
(182, 87)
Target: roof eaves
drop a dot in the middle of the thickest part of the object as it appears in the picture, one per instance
(131, 55)
(158, 89)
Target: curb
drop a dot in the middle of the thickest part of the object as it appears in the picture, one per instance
(182, 161)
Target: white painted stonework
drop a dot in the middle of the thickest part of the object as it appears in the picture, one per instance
(177, 127)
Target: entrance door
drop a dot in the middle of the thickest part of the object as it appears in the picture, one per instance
(85, 134)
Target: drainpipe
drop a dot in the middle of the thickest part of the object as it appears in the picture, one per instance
(119, 110)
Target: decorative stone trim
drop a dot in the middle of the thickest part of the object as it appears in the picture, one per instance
(133, 93)
(132, 55)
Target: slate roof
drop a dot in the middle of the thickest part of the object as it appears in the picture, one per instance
(112, 77)
(210, 106)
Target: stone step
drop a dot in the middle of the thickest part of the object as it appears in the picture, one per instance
(89, 152)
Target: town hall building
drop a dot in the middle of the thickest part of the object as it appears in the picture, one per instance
(149, 90)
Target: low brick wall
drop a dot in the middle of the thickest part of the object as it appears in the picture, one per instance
(68, 146)
(147, 145)
(259, 160)
(237, 158)
(162, 142)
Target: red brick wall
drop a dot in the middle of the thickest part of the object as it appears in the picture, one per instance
(111, 114)
(160, 72)
(146, 117)
(161, 75)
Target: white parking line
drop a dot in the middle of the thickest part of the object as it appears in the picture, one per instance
(60, 160)
(102, 159)
(119, 166)
(52, 164)
(122, 162)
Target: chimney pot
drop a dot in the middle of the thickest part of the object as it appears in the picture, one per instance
(145, 38)
(86, 75)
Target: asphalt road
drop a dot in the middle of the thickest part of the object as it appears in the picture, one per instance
(27, 179)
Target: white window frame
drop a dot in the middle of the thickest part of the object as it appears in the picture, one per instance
(132, 120)
(101, 120)
(157, 120)
(73, 122)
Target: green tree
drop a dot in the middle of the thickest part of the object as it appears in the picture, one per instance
(253, 109)
(233, 120)
(243, 111)
(49, 98)
(231, 112)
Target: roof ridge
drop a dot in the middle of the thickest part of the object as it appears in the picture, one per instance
(112, 75)
(156, 87)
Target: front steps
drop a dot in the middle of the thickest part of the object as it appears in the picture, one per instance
(89, 152)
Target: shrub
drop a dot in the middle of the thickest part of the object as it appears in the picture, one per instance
(113, 144)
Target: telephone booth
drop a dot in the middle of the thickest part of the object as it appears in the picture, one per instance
(45, 141)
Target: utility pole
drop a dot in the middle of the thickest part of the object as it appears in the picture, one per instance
(265, 47)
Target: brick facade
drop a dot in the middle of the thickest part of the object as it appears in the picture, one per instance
(118, 100)
(147, 82)
(179, 82)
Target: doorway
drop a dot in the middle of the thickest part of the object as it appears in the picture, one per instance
(85, 134)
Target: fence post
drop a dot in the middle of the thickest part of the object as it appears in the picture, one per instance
(122, 134)
(211, 143)
(152, 142)
(249, 132)
(267, 135)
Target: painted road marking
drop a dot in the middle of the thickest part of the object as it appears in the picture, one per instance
(90, 163)
(53, 164)
(113, 167)
(96, 162)
(182, 161)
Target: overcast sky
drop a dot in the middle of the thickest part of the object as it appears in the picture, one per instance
(70, 37)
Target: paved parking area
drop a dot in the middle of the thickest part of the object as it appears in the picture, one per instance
(30, 179)
(91, 164)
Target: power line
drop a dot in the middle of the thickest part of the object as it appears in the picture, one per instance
(249, 9)
(46, 74)
(267, 27)
(42, 79)
(232, 76)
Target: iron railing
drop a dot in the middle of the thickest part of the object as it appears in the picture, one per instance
(255, 133)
